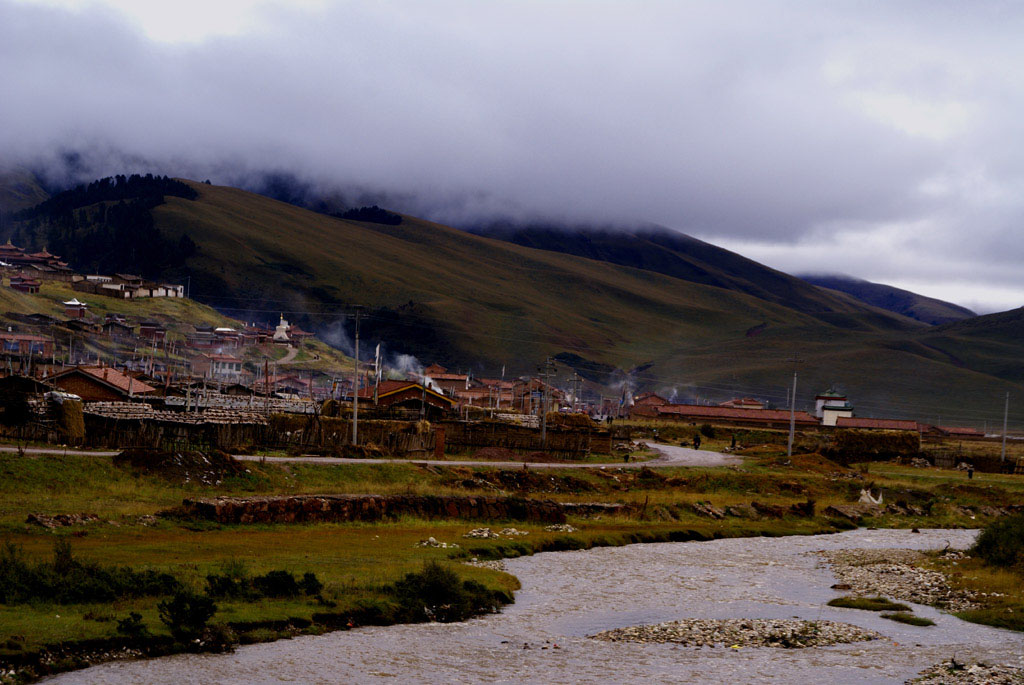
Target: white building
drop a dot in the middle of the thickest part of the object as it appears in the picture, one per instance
(830, 406)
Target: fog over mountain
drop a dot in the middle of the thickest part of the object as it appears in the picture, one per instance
(876, 139)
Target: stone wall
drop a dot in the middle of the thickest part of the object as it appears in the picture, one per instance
(303, 508)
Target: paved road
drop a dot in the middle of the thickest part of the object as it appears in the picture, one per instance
(36, 451)
(671, 455)
(287, 359)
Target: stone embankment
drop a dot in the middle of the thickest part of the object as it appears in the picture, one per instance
(341, 508)
(894, 573)
(856, 512)
(738, 632)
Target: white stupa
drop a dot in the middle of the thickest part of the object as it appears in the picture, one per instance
(281, 332)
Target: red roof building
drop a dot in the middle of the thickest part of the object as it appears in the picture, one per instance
(25, 285)
(409, 395)
(877, 424)
(960, 432)
(759, 417)
(99, 384)
(23, 344)
(743, 403)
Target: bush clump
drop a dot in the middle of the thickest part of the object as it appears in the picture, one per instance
(707, 430)
(186, 614)
(1001, 543)
(132, 626)
(66, 580)
(436, 593)
(235, 582)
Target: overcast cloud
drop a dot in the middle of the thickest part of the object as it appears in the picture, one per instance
(877, 139)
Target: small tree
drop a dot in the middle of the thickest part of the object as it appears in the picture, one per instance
(186, 614)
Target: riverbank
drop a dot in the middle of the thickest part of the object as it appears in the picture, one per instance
(112, 511)
(565, 597)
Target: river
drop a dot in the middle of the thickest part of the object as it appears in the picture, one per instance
(568, 595)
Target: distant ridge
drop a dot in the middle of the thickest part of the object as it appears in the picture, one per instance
(668, 252)
(649, 307)
(925, 309)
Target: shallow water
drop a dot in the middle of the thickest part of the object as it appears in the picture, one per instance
(568, 595)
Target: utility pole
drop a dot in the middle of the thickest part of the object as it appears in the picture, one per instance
(355, 383)
(1006, 414)
(547, 371)
(577, 385)
(792, 410)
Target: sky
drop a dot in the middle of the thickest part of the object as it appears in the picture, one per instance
(880, 140)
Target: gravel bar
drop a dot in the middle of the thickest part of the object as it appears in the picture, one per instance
(740, 632)
(893, 573)
(950, 672)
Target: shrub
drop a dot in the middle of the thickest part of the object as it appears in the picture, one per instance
(1001, 543)
(66, 580)
(132, 626)
(707, 430)
(276, 584)
(233, 582)
(186, 614)
(438, 594)
(310, 584)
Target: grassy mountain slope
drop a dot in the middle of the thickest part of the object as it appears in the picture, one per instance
(428, 284)
(717, 320)
(678, 255)
(19, 189)
(925, 309)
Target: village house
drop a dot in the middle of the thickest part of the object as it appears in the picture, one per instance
(227, 338)
(81, 325)
(743, 403)
(37, 265)
(25, 285)
(959, 432)
(486, 396)
(23, 344)
(646, 404)
(118, 330)
(218, 367)
(877, 424)
(99, 384)
(499, 392)
(202, 338)
(452, 382)
(59, 271)
(768, 418)
(292, 384)
(125, 287)
(254, 334)
(153, 331)
(74, 309)
(409, 396)
(533, 395)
